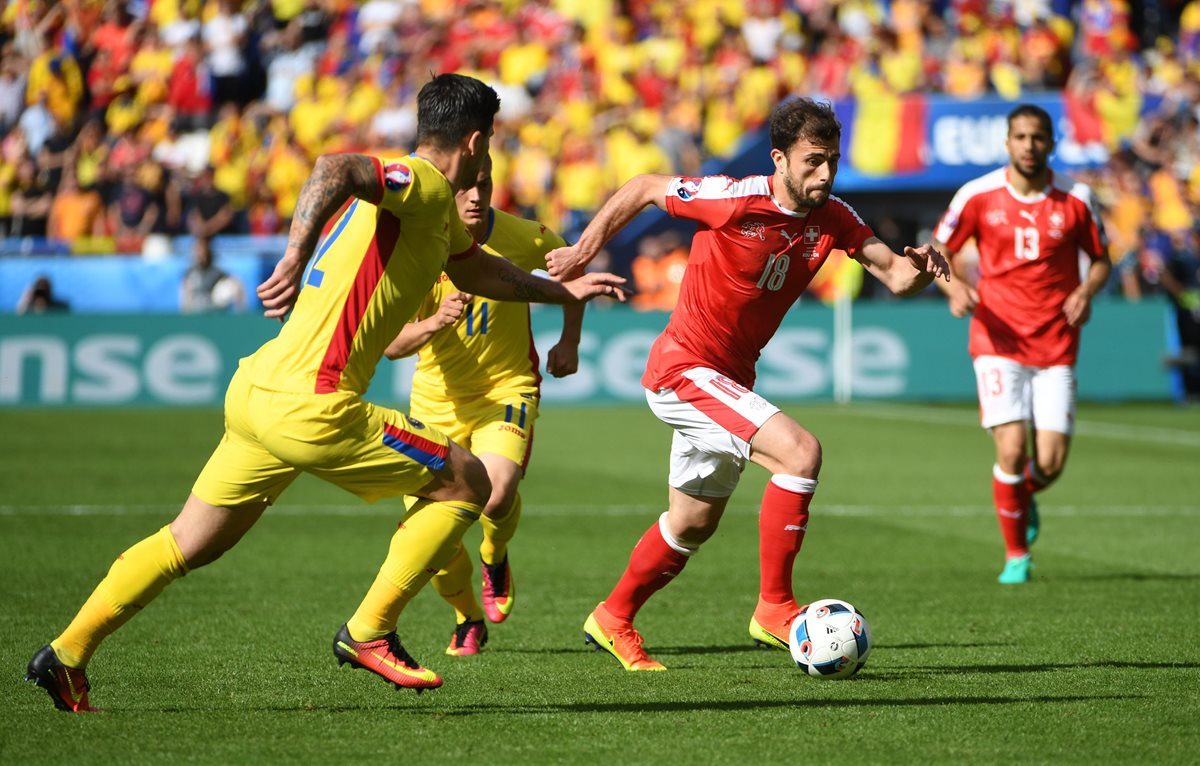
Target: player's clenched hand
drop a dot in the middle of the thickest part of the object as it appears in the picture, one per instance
(450, 311)
(1078, 307)
(963, 299)
(565, 262)
(279, 292)
(563, 360)
(592, 285)
(927, 258)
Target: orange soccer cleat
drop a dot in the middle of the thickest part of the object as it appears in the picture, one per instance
(386, 658)
(604, 631)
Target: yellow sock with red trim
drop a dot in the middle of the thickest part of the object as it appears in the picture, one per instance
(135, 578)
(498, 531)
(423, 545)
(454, 585)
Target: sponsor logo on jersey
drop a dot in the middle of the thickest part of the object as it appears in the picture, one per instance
(415, 423)
(396, 176)
(996, 217)
(1028, 216)
(688, 189)
(754, 230)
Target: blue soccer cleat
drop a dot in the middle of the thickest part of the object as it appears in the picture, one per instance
(1016, 570)
(1033, 522)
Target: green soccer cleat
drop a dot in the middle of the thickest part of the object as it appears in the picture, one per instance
(1016, 570)
(771, 623)
(619, 639)
(1033, 522)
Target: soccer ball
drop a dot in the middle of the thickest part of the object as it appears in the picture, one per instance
(830, 639)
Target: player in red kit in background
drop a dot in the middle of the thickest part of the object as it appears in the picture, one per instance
(1029, 225)
(759, 242)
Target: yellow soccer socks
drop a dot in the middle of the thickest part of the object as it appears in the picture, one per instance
(454, 585)
(135, 578)
(498, 531)
(423, 545)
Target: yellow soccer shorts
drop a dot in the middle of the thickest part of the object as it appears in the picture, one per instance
(271, 437)
(500, 425)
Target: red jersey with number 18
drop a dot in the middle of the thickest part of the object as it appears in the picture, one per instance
(1028, 261)
(750, 260)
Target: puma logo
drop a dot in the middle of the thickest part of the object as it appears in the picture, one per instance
(1031, 217)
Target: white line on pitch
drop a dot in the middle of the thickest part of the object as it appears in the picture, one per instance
(897, 511)
(919, 414)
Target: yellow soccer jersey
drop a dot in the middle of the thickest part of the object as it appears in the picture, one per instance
(489, 353)
(365, 281)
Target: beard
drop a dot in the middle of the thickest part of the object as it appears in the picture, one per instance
(798, 196)
(1039, 167)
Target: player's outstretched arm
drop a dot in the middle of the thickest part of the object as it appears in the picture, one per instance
(621, 208)
(417, 334)
(961, 295)
(334, 179)
(905, 274)
(494, 277)
(563, 358)
(1078, 306)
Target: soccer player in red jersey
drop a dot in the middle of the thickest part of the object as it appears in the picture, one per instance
(759, 242)
(1029, 225)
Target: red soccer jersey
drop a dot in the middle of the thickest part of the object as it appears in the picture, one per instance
(1029, 263)
(749, 262)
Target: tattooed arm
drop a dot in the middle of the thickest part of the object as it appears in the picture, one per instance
(498, 279)
(334, 179)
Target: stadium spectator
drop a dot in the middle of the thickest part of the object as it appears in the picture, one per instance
(76, 212)
(134, 212)
(12, 87)
(1028, 305)
(205, 288)
(30, 201)
(224, 35)
(658, 271)
(188, 92)
(39, 298)
(210, 211)
(760, 241)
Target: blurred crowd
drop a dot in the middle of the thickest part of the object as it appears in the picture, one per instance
(123, 120)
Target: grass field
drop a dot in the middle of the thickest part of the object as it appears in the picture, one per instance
(1095, 661)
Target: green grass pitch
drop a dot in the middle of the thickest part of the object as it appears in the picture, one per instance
(1096, 661)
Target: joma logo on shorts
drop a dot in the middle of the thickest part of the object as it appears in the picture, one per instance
(513, 430)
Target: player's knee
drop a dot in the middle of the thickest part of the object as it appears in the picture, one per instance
(1051, 467)
(501, 499)
(803, 456)
(475, 481)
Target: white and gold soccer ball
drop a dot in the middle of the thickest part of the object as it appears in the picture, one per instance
(830, 639)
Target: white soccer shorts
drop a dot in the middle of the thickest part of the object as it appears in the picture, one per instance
(1010, 391)
(714, 420)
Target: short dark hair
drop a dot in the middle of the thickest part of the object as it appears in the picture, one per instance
(804, 118)
(451, 106)
(1035, 111)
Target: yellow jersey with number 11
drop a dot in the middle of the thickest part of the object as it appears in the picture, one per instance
(489, 353)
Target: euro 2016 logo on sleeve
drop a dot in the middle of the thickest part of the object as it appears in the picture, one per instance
(688, 189)
(396, 176)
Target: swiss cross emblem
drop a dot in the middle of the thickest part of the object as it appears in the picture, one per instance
(812, 235)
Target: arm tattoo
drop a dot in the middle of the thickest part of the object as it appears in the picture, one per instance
(525, 289)
(334, 179)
